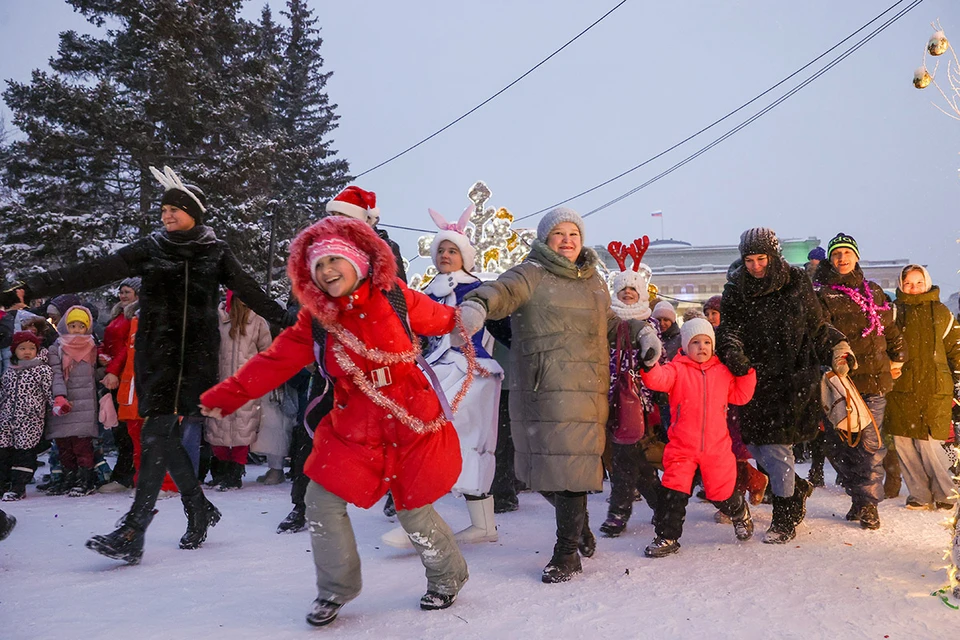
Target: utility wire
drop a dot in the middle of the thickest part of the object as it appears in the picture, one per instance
(765, 110)
(715, 122)
(529, 71)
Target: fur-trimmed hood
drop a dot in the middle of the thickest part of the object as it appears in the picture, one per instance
(383, 266)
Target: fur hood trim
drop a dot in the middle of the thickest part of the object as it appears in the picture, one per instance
(383, 266)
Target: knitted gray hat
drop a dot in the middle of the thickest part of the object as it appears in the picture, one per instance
(759, 240)
(555, 217)
(133, 283)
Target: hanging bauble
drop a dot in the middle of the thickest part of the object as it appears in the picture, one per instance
(653, 290)
(938, 44)
(921, 78)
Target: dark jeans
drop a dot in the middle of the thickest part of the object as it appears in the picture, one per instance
(631, 470)
(860, 468)
(163, 451)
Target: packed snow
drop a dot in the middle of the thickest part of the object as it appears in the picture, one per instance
(834, 580)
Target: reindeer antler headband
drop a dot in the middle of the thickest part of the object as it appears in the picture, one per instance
(635, 250)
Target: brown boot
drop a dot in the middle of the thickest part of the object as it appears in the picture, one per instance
(891, 481)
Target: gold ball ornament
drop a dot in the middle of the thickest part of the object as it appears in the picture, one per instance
(938, 44)
(653, 290)
(921, 78)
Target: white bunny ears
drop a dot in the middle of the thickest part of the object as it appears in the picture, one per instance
(457, 226)
(454, 232)
(170, 180)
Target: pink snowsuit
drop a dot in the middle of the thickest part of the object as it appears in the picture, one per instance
(698, 434)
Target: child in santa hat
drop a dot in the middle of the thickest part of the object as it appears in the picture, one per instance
(25, 396)
(476, 418)
(387, 430)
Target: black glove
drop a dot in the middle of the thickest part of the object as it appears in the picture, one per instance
(738, 363)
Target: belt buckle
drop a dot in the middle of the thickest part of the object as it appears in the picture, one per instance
(381, 377)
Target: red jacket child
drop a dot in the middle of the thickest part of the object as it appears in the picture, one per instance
(698, 434)
(376, 438)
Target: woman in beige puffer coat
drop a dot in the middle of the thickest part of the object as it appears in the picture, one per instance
(559, 375)
(243, 334)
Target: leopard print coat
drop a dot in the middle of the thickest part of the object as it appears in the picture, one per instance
(25, 395)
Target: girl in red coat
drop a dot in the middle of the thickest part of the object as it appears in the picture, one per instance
(700, 388)
(387, 430)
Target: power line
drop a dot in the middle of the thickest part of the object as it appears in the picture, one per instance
(715, 122)
(765, 110)
(528, 72)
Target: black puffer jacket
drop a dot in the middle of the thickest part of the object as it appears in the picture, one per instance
(778, 323)
(881, 345)
(178, 339)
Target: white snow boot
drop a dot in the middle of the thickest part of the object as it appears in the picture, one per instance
(397, 538)
(482, 526)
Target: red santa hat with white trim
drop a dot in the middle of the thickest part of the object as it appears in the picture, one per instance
(356, 203)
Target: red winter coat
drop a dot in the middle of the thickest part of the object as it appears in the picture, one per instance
(698, 434)
(114, 345)
(360, 450)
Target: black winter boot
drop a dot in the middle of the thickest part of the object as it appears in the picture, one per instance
(869, 517)
(801, 491)
(232, 476)
(570, 514)
(295, 521)
(126, 542)
(68, 479)
(85, 484)
(201, 514)
(7, 523)
(587, 544)
(736, 508)
(18, 485)
(782, 526)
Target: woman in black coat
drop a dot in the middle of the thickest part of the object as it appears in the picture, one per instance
(177, 347)
(771, 319)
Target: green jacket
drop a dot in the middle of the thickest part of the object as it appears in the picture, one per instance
(558, 374)
(920, 404)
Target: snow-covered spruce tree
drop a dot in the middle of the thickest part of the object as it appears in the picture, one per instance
(308, 172)
(168, 82)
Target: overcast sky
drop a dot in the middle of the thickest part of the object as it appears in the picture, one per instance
(859, 150)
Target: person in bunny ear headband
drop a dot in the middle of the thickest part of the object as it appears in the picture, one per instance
(559, 377)
(476, 418)
(631, 469)
(181, 267)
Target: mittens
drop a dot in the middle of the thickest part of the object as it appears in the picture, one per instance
(61, 406)
(738, 363)
(649, 346)
(473, 315)
(843, 359)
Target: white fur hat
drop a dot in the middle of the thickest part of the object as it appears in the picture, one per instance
(453, 232)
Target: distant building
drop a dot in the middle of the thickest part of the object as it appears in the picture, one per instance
(689, 275)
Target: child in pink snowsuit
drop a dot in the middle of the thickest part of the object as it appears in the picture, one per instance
(700, 388)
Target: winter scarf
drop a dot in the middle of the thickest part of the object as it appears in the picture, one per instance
(639, 310)
(185, 244)
(777, 277)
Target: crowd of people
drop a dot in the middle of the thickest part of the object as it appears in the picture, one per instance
(547, 378)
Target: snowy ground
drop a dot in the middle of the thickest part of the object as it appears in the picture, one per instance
(834, 581)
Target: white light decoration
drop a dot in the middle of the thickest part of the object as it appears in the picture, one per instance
(499, 246)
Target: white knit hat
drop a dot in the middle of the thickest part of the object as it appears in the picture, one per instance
(555, 217)
(695, 327)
